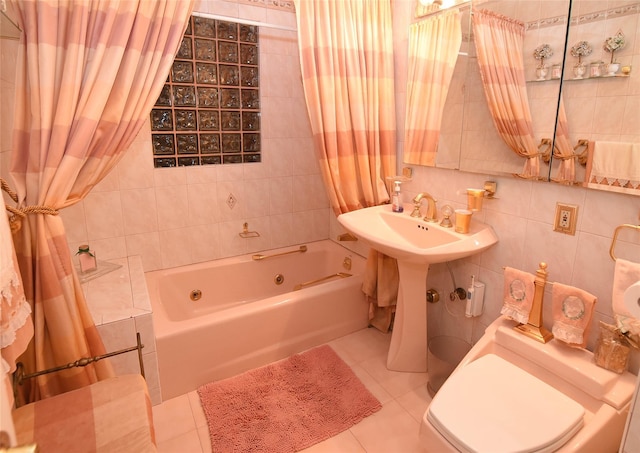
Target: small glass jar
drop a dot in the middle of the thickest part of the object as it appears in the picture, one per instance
(595, 69)
(612, 349)
(556, 71)
(87, 259)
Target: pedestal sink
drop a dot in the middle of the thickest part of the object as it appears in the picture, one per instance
(415, 244)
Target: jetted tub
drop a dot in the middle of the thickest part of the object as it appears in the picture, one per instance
(217, 319)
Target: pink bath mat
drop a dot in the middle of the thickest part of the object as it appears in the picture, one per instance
(286, 406)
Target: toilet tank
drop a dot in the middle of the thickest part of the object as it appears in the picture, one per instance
(570, 370)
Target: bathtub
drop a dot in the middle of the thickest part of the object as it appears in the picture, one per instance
(217, 319)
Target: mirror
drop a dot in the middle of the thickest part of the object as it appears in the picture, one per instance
(602, 104)
(469, 140)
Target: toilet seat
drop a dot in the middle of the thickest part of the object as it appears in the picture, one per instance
(491, 405)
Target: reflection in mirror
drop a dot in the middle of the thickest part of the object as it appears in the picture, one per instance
(565, 155)
(598, 115)
(543, 25)
(499, 48)
(434, 43)
(468, 138)
(602, 101)
(446, 119)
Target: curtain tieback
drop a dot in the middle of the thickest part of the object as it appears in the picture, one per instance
(17, 214)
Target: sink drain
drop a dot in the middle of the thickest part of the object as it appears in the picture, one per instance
(278, 279)
(195, 294)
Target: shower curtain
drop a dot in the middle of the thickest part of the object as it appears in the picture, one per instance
(563, 151)
(346, 54)
(88, 74)
(499, 45)
(434, 44)
(346, 57)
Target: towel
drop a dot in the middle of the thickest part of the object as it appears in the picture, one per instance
(616, 163)
(625, 274)
(16, 326)
(518, 294)
(572, 310)
(380, 284)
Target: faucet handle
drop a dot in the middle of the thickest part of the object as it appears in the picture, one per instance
(446, 212)
(416, 210)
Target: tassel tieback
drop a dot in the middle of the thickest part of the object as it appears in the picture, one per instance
(17, 214)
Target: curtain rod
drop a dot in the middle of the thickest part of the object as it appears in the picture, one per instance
(244, 21)
(462, 6)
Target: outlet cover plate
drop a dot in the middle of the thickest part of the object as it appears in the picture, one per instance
(566, 218)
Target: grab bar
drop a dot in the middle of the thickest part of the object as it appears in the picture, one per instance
(20, 376)
(319, 280)
(258, 257)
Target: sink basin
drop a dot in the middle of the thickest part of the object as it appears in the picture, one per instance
(415, 244)
(412, 239)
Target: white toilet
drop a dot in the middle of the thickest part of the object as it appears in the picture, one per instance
(514, 394)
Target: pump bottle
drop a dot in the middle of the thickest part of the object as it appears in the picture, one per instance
(396, 198)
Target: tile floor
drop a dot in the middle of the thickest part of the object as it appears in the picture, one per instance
(181, 427)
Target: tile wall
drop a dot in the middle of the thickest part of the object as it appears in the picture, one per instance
(178, 216)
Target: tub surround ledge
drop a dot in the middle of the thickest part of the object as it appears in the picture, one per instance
(120, 306)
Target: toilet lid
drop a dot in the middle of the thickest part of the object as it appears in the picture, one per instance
(491, 405)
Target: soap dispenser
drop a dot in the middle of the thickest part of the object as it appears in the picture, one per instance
(396, 198)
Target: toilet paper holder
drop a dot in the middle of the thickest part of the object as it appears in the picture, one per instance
(615, 237)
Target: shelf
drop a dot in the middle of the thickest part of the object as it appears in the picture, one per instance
(617, 76)
(542, 80)
(103, 268)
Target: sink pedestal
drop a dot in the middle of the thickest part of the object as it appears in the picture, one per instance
(415, 244)
(408, 349)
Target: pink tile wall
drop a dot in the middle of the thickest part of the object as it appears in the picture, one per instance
(180, 215)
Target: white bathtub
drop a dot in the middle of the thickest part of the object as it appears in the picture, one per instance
(244, 319)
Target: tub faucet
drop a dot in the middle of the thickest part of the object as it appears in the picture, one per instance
(432, 211)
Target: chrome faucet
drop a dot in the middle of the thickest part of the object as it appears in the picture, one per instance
(432, 211)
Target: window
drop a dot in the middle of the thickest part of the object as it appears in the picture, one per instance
(209, 109)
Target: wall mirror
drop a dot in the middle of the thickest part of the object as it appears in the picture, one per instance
(569, 112)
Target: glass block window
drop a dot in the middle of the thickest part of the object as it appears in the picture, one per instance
(209, 109)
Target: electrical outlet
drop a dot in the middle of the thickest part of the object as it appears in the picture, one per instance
(566, 218)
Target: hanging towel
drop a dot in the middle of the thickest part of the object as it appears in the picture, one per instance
(518, 294)
(572, 310)
(16, 325)
(380, 284)
(616, 163)
(625, 274)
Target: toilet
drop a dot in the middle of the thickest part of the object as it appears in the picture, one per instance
(512, 393)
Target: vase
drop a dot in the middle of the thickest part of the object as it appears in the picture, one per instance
(612, 68)
(579, 70)
(541, 72)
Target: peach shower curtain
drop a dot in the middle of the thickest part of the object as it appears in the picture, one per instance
(88, 74)
(499, 45)
(563, 151)
(346, 54)
(434, 44)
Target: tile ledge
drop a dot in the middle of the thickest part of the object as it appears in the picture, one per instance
(130, 280)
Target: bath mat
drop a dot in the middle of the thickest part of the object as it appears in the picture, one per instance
(286, 406)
